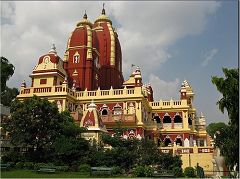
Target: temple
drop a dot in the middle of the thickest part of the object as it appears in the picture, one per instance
(88, 81)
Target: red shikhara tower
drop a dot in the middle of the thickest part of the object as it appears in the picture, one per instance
(93, 57)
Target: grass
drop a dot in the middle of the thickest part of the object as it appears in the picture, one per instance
(33, 174)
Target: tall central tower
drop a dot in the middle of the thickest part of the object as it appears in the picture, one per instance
(110, 53)
(93, 57)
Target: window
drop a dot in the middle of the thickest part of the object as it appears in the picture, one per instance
(179, 142)
(177, 119)
(43, 81)
(167, 119)
(167, 142)
(76, 57)
(104, 112)
(157, 119)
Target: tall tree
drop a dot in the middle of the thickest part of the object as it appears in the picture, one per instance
(227, 140)
(214, 127)
(7, 94)
(36, 123)
(229, 87)
(7, 70)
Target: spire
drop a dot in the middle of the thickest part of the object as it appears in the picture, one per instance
(53, 49)
(85, 15)
(103, 10)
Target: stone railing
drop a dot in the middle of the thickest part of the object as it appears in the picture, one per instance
(56, 90)
(108, 93)
(168, 104)
(63, 89)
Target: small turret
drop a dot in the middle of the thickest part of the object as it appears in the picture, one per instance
(138, 77)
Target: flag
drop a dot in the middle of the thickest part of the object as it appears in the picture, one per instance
(133, 65)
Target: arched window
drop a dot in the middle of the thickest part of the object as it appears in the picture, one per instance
(179, 142)
(157, 119)
(167, 142)
(104, 112)
(167, 119)
(177, 119)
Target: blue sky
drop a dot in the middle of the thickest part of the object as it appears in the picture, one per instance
(221, 34)
(170, 41)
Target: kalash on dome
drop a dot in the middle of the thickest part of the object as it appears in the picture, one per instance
(89, 83)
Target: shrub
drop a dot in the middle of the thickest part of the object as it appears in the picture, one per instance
(84, 168)
(19, 165)
(117, 170)
(189, 172)
(139, 171)
(178, 172)
(148, 171)
(143, 171)
(29, 165)
(12, 156)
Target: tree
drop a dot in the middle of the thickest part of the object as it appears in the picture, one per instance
(214, 127)
(37, 124)
(69, 147)
(230, 91)
(8, 95)
(227, 139)
(7, 70)
(129, 153)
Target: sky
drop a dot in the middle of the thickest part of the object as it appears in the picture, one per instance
(170, 41)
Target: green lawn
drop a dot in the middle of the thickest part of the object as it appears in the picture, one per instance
(33, 174)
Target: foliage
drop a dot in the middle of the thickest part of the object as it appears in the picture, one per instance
(36, 123)
(214, 127)
(8, 95)
(143, 171)
(189, 172)
(29, 165)
(33, 123)
(128, 153)
(7, 70)
(117, 170)
(85, 168)
(178, 172)
(12, 156)
(19, 165)
(230, 91)
(229, 87)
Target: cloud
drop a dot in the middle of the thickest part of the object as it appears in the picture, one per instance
(146, 30)
(209, 56)
(164, 89)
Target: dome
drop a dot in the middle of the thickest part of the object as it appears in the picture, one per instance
(51, 56)
(50, 61)
(84, 21)
(103, 17)
(80, 33)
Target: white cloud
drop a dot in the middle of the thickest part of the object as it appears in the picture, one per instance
(163, 89)
(146, 31)
(209, 56)
(149, 28)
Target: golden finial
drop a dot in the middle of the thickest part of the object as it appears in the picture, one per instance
(85, 15)
(103, 10)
